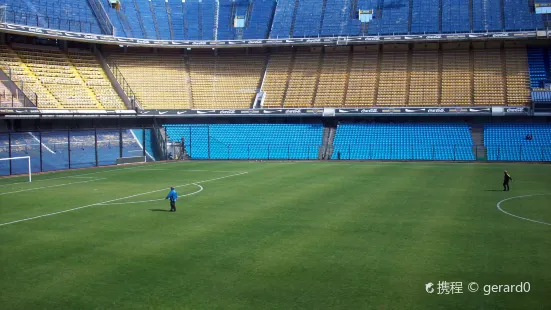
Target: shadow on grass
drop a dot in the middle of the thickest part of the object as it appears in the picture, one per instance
(493, 190)
(159, 210)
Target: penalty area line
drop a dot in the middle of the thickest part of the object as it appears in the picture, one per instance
(520, 217)
(153, 200)
(117, 199)
(51, 186)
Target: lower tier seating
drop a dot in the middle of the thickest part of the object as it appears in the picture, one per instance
(509, 142)
(403, 142)
(249, 141)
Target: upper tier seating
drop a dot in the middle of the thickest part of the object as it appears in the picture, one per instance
(335, 77)
(172, 81)
(73, 81)
(228, 81)
(210, 19)
(73, 15)
(403, 141)
(509, 142)
(159, 82)
(538, 66)
(249, 141)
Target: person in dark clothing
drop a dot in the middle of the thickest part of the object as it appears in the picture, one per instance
(173, 196)
(339, 155)
(506, 179)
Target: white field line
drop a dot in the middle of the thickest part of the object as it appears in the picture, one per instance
(85, 174)
(185, 170)
(118, 199)
(50, 179)
(44, 145)
(520, 217)
(50, 186)
(144, 201)
(140, 144)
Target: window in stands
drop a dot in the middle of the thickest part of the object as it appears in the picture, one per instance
(239, 22)
(543, 8)
(365, 16)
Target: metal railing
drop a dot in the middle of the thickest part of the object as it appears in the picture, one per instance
(103, 19)
(134, 102)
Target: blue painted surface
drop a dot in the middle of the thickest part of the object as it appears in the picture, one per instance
(487, 15)
(425, 16)
(77, 147)
(249, 141)
(394, 19)
(403, 142)
(283, 18)
(56, 14)
(455, 16)
(308, 18)
(508, 142)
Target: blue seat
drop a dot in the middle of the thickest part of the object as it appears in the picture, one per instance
(403, 141)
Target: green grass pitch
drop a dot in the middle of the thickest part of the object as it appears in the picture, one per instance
(297, 235)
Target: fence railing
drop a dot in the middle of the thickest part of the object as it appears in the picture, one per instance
(103, 18)
(134, 102)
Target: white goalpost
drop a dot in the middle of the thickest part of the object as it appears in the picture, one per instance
(28, 158)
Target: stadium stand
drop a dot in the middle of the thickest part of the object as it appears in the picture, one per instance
(517, 77)
(456, 16)
(488, 77)
(198, 81)
(363, 77)
(331, 87)
(225, 81)
(403, 141)
(424, 81)
(508, 142)
(248, 141)
(56, 14)
(210, 19)
(7, 98)
(302, 79)
(275, 79)
(457, 76)
(487, 15)
(147, 74)
(95, 78)
(425, 17)
(537, 67)
(21, 74)
(393, 79)
(426, 75)
(61, 81)
(308, 18)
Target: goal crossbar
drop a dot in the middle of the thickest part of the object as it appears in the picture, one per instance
(28, 158)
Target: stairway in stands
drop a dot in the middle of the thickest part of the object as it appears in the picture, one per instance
(477, 134)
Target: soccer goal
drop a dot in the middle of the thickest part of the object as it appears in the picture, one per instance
(22, 158)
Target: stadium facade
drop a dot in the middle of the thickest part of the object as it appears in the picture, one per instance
(85, 83)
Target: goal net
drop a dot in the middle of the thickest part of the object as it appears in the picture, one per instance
(23, 162)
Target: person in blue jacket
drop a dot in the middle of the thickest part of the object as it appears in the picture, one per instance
(173, 196)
